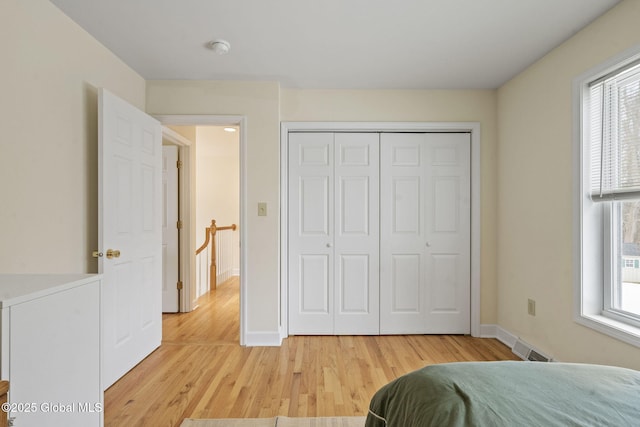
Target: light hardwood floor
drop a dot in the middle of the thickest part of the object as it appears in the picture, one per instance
(200, 370)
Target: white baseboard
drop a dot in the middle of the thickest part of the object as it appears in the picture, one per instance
(499, 333)
(488, 331)
(506, 337)
(262, 339)
(274, 339)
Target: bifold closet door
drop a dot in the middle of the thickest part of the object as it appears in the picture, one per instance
(425, 219)
(357, 234)
(333, 233)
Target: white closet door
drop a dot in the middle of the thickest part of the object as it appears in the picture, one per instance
(357, 234)
(311, 208)
(333, 233)
(425, 233)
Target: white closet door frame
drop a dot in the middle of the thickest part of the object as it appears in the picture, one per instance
(472, 127)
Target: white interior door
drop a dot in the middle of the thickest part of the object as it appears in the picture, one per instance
(425, 233)
(311, 256)
(356, 275)
(334, 233)
(130, 221)
(170, 231)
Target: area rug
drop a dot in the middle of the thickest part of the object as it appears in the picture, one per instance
(276, 422)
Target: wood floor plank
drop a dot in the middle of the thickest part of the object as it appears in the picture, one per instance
(200, 371)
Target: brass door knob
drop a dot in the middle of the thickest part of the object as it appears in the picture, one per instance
(113, 253)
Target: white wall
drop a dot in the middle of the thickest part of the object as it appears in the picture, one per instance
(51, 69)
(535, 201)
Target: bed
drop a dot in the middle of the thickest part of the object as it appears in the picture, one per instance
(509, 394)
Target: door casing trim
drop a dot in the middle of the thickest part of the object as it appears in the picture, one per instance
(218, 120)
(472, 127)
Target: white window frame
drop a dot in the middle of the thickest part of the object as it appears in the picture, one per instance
(593, 222)
(611, 222)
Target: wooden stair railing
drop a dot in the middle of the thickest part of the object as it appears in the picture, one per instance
(210, 237)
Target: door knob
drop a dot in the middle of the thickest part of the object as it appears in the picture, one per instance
(113, 253)
(328, 245)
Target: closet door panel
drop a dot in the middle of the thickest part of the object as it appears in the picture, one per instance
(425, 180)
(448, 227)
(314, 284)
(402, 243)
(406, 206)
(357, 233)
(311, 258)
(354, 283)
(444, 275)
(354, 201)
(405, 284)
(313, 212)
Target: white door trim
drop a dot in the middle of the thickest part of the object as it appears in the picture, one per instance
(170, 232)
(189, 288)
(472, 127)
(184, 153)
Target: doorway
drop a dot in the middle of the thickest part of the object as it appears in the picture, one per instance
(473, 129)
(217, 199)
(192, 218)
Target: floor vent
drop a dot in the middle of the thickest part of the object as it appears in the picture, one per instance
(526, 352)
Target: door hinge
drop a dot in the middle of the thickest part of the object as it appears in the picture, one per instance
(179, 285)
(179, 224)
(179, 164)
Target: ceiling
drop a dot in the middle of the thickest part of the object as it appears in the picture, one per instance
(335, 44)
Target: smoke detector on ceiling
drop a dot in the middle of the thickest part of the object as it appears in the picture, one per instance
(221, 47)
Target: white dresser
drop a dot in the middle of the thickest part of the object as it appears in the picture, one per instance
(50, 333)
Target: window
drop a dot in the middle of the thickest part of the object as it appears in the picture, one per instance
(608, 283)
(622, 295)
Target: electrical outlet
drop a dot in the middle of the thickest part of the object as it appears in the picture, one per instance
(531, 307)
(262, 209)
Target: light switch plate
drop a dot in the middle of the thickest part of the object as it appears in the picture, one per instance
(262, 209)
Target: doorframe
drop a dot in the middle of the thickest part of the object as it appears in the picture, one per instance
(472, 127)
(184, 211)
(188, 243)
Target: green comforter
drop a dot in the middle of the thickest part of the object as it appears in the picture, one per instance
(509, 394)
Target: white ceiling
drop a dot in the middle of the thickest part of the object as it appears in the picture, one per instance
(336, 44)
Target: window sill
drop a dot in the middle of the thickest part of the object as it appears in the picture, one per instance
(614, 328)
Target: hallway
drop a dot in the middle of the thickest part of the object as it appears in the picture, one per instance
(215, 321)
